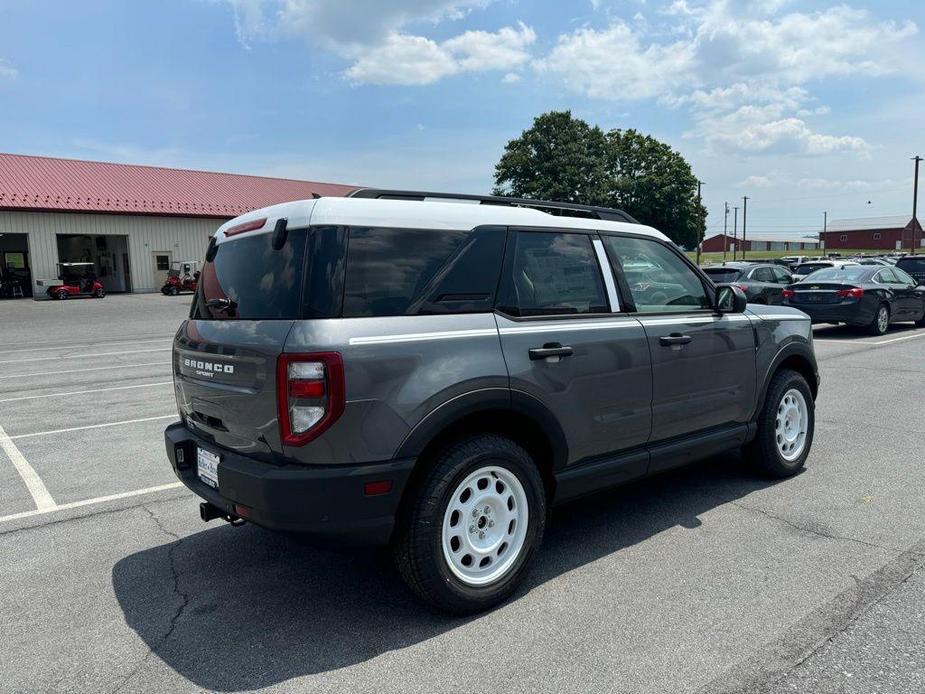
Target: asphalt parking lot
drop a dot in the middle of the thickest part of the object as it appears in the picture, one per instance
(704, 580)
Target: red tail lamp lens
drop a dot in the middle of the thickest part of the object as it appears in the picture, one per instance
(377, 488)
(853, 293)
(788, 293)
(309, 395)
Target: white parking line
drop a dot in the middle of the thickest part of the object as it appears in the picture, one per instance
(94, 426)
(822, 340)
(83, 345)
(92, 368)
(82, 392)
(86, 356)
(90, 502)
(43, 500)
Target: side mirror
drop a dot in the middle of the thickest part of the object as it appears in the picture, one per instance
(730, 299)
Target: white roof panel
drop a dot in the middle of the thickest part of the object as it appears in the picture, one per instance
(417, 214)
(860, 223)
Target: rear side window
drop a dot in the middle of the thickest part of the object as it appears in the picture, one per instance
(764, 274)
(721, 275)
(395, 272)
(249, 280)
(553, 274)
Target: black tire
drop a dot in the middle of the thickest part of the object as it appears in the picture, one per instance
(920, 323)
(61, 296)
(876, 327)
(173, 291)
(763, 451)
(99, 294)
(418, 546)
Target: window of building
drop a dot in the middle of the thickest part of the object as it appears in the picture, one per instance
(843, 237)
(877, 236)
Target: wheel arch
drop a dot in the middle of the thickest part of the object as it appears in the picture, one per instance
(797, 356)
(510, 413)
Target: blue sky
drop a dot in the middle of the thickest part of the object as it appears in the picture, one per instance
(803, 106)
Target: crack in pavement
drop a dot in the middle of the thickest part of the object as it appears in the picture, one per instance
(184, 599)
(802, 528)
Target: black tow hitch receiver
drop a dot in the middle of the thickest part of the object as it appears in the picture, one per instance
(209, 512)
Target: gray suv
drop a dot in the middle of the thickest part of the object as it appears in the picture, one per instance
(434, 374)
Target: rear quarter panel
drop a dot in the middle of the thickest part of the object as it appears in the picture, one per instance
(397, 370)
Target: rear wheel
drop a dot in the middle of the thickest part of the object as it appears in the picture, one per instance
(173, 291)
(470, 531)
(61, 295)
(881, 322)
(99, 293)
(920, 323)
(785, 426)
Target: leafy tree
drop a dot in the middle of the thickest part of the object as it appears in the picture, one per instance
(563, 158)
(560, 158)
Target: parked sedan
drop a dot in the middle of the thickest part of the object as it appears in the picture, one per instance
(762, 283)
(808, 268)
(864, 295)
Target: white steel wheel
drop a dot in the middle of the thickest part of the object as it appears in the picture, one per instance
(791, 425)
(485, 525)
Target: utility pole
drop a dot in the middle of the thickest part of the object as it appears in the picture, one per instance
(915, 200)
(825, 226)
(735, 232)
(700, 229)
(725, 225)
(744, 216)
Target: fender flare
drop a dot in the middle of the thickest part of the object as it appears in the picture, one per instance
(452, 411)
(801, 350)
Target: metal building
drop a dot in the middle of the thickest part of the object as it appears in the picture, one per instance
(130, 221)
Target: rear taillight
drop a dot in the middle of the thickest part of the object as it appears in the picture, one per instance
(853, 293)
(788, 293)
(309, 395)
(743, 287)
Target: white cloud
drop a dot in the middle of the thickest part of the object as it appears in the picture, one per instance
(511, 78)
(7, 71)
(755, 182)
(341, 25)
(614, 64)
(415, 60)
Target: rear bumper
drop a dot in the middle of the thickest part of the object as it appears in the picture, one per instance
(851, 312)
(326, 502)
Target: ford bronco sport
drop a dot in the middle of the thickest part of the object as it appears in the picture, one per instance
(434, 373)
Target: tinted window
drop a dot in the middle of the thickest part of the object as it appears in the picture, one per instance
(324, 281)
(393, 272)
(781, 276)
(807, 268)
(763, 274)
(911, 264)
(553, 274)
(902, 276)
(249, 280)
(674, 286)
(721, 275)
(845, 274)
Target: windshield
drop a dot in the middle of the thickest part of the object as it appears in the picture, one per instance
(722, 274)
(854, 273)
(249, 280)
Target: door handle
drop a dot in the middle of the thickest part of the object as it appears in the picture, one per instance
(674, 339)
(550, 349)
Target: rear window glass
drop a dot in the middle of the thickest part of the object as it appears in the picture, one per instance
(394, 272)
(911, 264)
(722, 274)
(852, 273)
(249, 280)
(807, 268)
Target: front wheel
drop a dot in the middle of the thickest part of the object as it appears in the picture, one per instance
(469, 533)
(785, 426)
(61, 295)
(99, 293)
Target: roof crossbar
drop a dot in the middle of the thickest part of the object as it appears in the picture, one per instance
(565, 209)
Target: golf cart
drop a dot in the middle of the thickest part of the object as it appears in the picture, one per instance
(77, 279)
(183, 276)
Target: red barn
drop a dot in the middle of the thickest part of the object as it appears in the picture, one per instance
(874, 233)
(759, 242)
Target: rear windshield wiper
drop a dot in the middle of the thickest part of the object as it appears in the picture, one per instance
(222, 304)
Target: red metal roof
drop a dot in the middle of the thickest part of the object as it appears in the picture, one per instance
(44, 183)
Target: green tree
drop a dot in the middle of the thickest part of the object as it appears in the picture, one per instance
(563, 158)
(560, 158)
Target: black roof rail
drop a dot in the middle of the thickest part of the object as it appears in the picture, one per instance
(565, 209)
